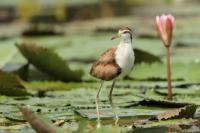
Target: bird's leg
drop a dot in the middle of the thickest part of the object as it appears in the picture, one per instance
(97, 105)
(111, 103)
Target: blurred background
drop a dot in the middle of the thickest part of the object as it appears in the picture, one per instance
(80, 30)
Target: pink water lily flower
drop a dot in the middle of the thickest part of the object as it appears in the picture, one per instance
(165, 25)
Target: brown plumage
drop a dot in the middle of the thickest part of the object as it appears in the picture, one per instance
(105, 67)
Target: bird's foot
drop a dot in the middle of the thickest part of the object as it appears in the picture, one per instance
(98, 124)
(116, 120)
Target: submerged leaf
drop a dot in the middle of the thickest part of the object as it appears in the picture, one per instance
(11, 85)
(184, 112)
(49, 62)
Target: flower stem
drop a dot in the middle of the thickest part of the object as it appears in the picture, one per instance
(168, 73)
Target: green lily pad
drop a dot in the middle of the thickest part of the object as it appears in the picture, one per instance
(153, 99)
(49, 62)
(174, 125)
(178, 91)
(183, 112)
(7, 51)
(143, 56)
(20, 70)
(56, 85)
(122, 113)
(11, 85)
(188, 72)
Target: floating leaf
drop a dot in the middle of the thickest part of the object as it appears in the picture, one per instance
(187, 42)
(23, 71)
(184, 112)
(11, 85)
(18, 69)
(178, 91)
(141, 56)
(41, 30)
(147, 34)
(162, 102)
(106, 113)
(57, 85)
(49, 62)
(188, 72)
(7, 51)
(14, 117)
(172, 125)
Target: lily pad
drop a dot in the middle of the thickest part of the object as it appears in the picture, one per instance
(18, 69)
(188, 72)
(11, 85)
(49, 62)
(57, 85)
(143, 56)
(41, 30)
(178, 91)
(153, 99)
(122, 113)
(183, 112)
(174, 125)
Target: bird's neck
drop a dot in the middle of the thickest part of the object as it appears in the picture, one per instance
(126, 41)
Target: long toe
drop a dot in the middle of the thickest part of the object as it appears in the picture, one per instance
(98, 124)
(116, 119)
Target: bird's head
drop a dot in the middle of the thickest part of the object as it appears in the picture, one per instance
(125, 33)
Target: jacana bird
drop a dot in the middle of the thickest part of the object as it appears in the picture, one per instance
(115, 63)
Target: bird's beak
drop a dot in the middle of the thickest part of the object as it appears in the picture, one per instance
(115, 37)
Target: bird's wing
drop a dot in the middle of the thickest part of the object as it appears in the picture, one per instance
(105, 67)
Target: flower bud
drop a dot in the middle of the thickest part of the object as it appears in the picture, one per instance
(165, 25)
